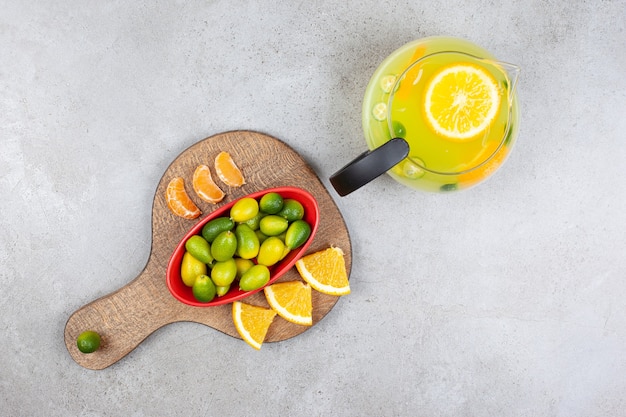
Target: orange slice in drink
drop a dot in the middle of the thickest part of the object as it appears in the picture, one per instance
(411, 74)
(205, 187)
(252, 322)
(325, 271)
(462, 101)
(228, 171)
(292, 301)
(476, 175)
(178, 200)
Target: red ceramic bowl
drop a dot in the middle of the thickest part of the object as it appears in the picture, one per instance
(184, 294)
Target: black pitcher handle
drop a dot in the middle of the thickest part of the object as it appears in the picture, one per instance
(369, 165)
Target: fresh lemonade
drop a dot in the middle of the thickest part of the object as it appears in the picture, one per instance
(458, 112)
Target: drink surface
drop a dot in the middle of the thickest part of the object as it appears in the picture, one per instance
(394, 107)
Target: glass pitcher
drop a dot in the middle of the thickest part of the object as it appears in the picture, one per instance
(439, 114)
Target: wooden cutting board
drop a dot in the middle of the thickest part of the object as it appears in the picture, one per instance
(127, 316)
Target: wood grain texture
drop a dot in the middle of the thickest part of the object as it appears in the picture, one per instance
(127, 316)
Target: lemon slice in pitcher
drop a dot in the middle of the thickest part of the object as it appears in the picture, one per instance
(462, 101)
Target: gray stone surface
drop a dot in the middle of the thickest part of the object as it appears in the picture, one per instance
(506, 300)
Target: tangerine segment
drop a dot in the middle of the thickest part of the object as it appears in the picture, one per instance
(252, 322)
(228, 171)
(462, 101)
(205, 187)
(325, 271)
(178, 201)
(292, 301)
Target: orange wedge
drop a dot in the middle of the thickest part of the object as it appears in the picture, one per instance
(252, 322)
(178, 201)
(205, 187)
(292, 301)
(228, 171)
(325, 271)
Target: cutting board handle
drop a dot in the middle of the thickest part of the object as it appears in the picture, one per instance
(123, 319)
